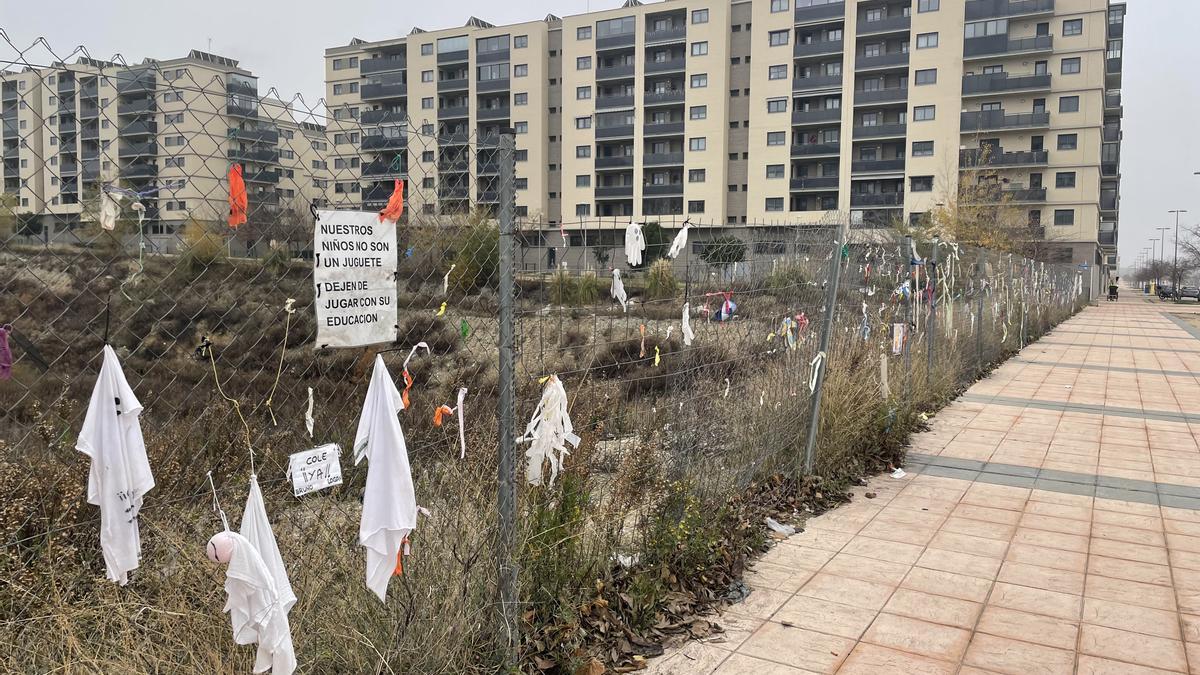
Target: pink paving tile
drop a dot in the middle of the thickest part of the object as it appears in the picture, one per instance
(914, 636)
(967, 543)
(1045, 578)
(979, 528)
(1138, 648)
(1128, 551)
(1035, 628)
(1054, 540)
(1047, 557)
(740, 664)
(1012, 657)
(825, 616)
(798, 557)
(1132, 618)
(1131, 535)
(987, 514)
(933, 608)
(867, 569)
(761, 603)
(880, 549)
(815, 536)
(1036, 601)
(694, 658)
(1129, 592)
(1094, 665)
(865, 594)
(869, 659)
(797, 647)
(777, 577)
(959, 563)
(937, 582)
(1132, 570)
(1055, 524)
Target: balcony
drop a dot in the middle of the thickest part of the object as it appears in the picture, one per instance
(1112, 101)
(617, 162)
(383, 168)
(1110, 169)
(667, 66)
(616, 41)
(382, 142)
(241, 87)
(803, 50)
(381, 192)
(614, 191)
(452, 57)
(816, 149)
(1108, 238)
(138, 150)
(878, 165)
(618, 131)
(372, 92)
(614, 72)
(997, 83)
(140, 128)
(140, 107)
(816, 116)
(264, 155)
(1112, 71)
(1108, 202)
(663, 190)
(264, 176)
(497, 113)
(662, 158)
(270, 136)
(453, 165)
(672, 34)
(1012, 194)
(88, 110)
(977, 158)
(817, 82)
(992, 45)
(384, 117)
(889, 60)
(68, 169)
(453, 112)
(138, 85)
(999, 9)
(453, 192)
(89, 89)
(493, 56)
(90, 132)
(498, 84)
(487, 165)
(488, 197)
(820, 13)
(894, 130)
(241, 110)
(453, 84)
(663, 128)
(988, 120)
(67, 127)
(663, 97)
(887, 95)
(382, 64)
(1111, 133)
(814, 183)
(454, 138)
(891, 24)
(614, 101)
(877, 199)
(139, 170)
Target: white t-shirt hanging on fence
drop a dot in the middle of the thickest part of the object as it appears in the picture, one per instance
(275, 650)
(120, 472)
(354, 275)
(256, 611)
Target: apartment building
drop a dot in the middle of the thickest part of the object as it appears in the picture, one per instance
(744, 115)
(168, 129)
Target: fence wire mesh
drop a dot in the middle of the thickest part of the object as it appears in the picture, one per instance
(673, 428)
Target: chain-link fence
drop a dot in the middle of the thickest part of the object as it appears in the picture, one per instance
(692, 378)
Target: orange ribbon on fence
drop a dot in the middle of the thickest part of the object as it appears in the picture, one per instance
(440, 413)
(408, 383)
(237, 196)
(395, 205)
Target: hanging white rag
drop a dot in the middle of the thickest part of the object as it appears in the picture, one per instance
(141, 212)
(280, 656)
(256, 609)
(109, 210)
(817, 362)
(389, 510)
(726, 388)
(462, 425)
(120, 475)
(680, 242)
(446, 281)
(549, 431)
(635, 243)
(308, 415)
(686, 329)
(618, 289)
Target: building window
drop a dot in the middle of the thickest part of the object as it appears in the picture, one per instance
(1064, 216)
(922, 149)
(1072, 27)
(427, 49)
(698, 112)
(779, 6)
(1070, 66)
(922, 183)
(521, 156)
(778, 38)
(521, 183)
(699, 16)
(699, 81)
(427, 76)
(927, 40)
(777, 105)
(583, 93)
(695, 206)
(583, 181)
(338, 64)
(583, 33)
(521, 98)
(777, 72)
(774, 203)
(927, 76)
(697, 144)
(520, 42)
(1068, 104)
(583, 122)
(521, 128)
(583, 63)
(1064, 179)
(696, 175)
(775, 171)
(871, 51)
(699, 49)
(427, 103)
(583, 151)
(1068, 141)
(521, 70)
(583, 209)
(776, 138)
(176, 162)
(923, 113)
(927, 5)
(427, 156)
(985, 28)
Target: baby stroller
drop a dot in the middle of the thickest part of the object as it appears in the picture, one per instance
(1112, 292)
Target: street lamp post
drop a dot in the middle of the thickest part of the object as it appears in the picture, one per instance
(1175, 265)
(1162, 249)
(1154, 262)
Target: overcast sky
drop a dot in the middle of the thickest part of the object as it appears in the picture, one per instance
(283, 42)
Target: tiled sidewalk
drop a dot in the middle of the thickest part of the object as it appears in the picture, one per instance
(1050, 524)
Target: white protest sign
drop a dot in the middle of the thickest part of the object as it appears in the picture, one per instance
(354, 273)
(315, 469)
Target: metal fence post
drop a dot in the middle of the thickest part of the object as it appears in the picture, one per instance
(908, 322)
(506, 495)
(931, 328)
(981, 275)
(831, 293)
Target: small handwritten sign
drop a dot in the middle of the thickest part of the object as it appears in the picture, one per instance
(315, 469)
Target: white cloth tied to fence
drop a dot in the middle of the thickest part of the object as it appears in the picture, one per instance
(618, 289)
(120, 474)
(389, 501)
(679, 243)
(256, 610)
(688, 335)
(109, 211)
(308, 415)
(548, 433)
(635, 244)
(275, 650)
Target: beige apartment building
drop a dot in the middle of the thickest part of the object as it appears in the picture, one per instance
(746, 115)
(167, 129)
